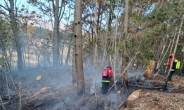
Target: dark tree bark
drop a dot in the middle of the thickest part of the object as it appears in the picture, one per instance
(56, 33)
(74, 77)
(16, 34)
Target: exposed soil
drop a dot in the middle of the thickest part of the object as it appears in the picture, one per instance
(158, 99)
(55, 91)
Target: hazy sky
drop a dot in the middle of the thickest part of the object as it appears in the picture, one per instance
(68, 12)
(31, 8)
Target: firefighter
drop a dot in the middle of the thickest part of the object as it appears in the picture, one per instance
(172, 70)
(107, 74)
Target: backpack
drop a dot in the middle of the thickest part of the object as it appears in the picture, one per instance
(176, 64)
(105, 73)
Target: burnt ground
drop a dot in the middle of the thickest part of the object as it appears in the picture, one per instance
(154, 97)
(55, 91)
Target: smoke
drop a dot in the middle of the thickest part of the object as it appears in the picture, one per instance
(96, 85)
(60, 79)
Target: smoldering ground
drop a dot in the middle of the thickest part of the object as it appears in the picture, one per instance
(62, 93)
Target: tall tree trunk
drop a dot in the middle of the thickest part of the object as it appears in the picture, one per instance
(62, 52)
(74, 77)
(96, 46)
(124, 54)
(115, 51)
(109, 19)
(16, 34)
(78, 47)
(56, 33)
(68, 53)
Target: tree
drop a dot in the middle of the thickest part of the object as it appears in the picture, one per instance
(54, 10)
(78, 46)
(12, 10)
(6, 36)
(57, 15)
(124, 54)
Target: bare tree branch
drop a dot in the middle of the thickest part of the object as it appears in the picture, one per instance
(62, 6)
(4, 7)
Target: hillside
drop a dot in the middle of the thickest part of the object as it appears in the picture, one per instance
(55, 91)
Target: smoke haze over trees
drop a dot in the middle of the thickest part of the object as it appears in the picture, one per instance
(93, 34)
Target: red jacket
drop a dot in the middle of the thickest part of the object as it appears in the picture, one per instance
(111, 74)
(169, 62)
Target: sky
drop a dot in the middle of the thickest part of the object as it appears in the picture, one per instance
(31, 8)
(19, 4)
(70, 18)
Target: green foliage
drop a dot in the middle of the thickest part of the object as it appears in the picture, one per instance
(162, 21)
(146, 54)
(132, 47)
(160, 29)
(145, 46)
(136, 18)
(179, 49)
(120, 45)
(110, 49)
(88, 47)
(169, 15)
(42, 33)
(160, 13)
(148, 35)
(6, 34)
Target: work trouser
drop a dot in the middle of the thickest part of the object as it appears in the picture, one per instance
(170, 74)
(105, 86)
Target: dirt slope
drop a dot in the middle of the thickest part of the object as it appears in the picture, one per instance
(171, 99)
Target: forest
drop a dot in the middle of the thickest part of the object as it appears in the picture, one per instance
(52, 53)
